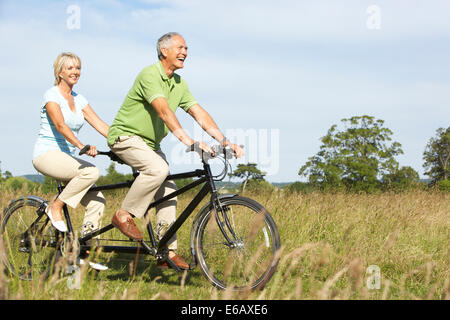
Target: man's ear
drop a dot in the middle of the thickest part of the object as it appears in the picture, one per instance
(164, 52)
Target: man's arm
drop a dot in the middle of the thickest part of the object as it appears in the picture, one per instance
(208, 124)
(205, 120)
(168, 116)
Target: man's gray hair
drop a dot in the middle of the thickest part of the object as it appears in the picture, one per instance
(165, 42)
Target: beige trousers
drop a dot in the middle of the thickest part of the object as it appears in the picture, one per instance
(150, 184)
(78, 176)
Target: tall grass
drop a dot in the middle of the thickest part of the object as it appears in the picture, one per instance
(329, 240)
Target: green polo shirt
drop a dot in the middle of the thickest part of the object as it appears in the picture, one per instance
(137, 116)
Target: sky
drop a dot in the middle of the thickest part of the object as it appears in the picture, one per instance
(275, 75)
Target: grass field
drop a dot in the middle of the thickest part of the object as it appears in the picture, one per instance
(334, 246)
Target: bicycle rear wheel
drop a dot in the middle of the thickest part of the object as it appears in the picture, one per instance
(250, 259)
(29, 238)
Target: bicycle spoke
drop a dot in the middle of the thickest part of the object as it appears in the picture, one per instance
(27, 239)
(249, 260)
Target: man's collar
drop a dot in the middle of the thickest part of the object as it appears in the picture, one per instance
(161, 71)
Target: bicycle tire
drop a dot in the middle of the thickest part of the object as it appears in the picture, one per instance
(29, 238)
(253, 261)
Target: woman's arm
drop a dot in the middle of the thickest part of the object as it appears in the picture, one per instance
(94, 120)
(56, 116)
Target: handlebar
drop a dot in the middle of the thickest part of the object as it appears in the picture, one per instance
(220, 152)
(110, 154)
(84, 149)
(217, 149)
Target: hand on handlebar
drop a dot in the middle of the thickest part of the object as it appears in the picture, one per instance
(201, 147)
(110, 154)
(238, 151)
(206, 148)
(227, 151)
(89, 150)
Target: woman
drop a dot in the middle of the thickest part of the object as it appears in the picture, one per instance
(63, 113)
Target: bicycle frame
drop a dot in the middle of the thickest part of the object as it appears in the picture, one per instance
(157, 249)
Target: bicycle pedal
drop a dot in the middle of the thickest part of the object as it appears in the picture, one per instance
(173, 265)
(169, 264)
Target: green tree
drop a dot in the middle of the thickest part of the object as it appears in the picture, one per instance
(7, 175)
(299, 187)
(247, 171)
(354, 158)
(19, 183)
(259, 185)
(1, 173)
(402, 179)
(444, 185)
(49, 185)
(437, 156)
(112, 176)
(4, 176)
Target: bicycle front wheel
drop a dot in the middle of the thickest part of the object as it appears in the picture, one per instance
(249, 260)
(29, 238)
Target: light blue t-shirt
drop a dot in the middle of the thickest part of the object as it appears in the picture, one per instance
(49, 138)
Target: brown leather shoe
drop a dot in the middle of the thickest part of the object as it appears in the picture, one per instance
(128, 227)
(179, 262)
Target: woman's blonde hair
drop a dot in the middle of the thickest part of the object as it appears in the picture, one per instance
(61, 61)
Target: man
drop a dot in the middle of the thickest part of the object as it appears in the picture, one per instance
(144, 119)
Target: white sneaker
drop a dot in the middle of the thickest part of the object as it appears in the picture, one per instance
(60, 225)
(93, 265)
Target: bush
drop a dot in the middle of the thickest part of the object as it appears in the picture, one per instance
(49, 185)
(258, 185)
(113, 176)
(402, 179)
(444, 185)
(300, 187)
(19, 183)
(180, 183)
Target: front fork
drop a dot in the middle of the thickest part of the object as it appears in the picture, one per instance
(221, 217)
(220, 213)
